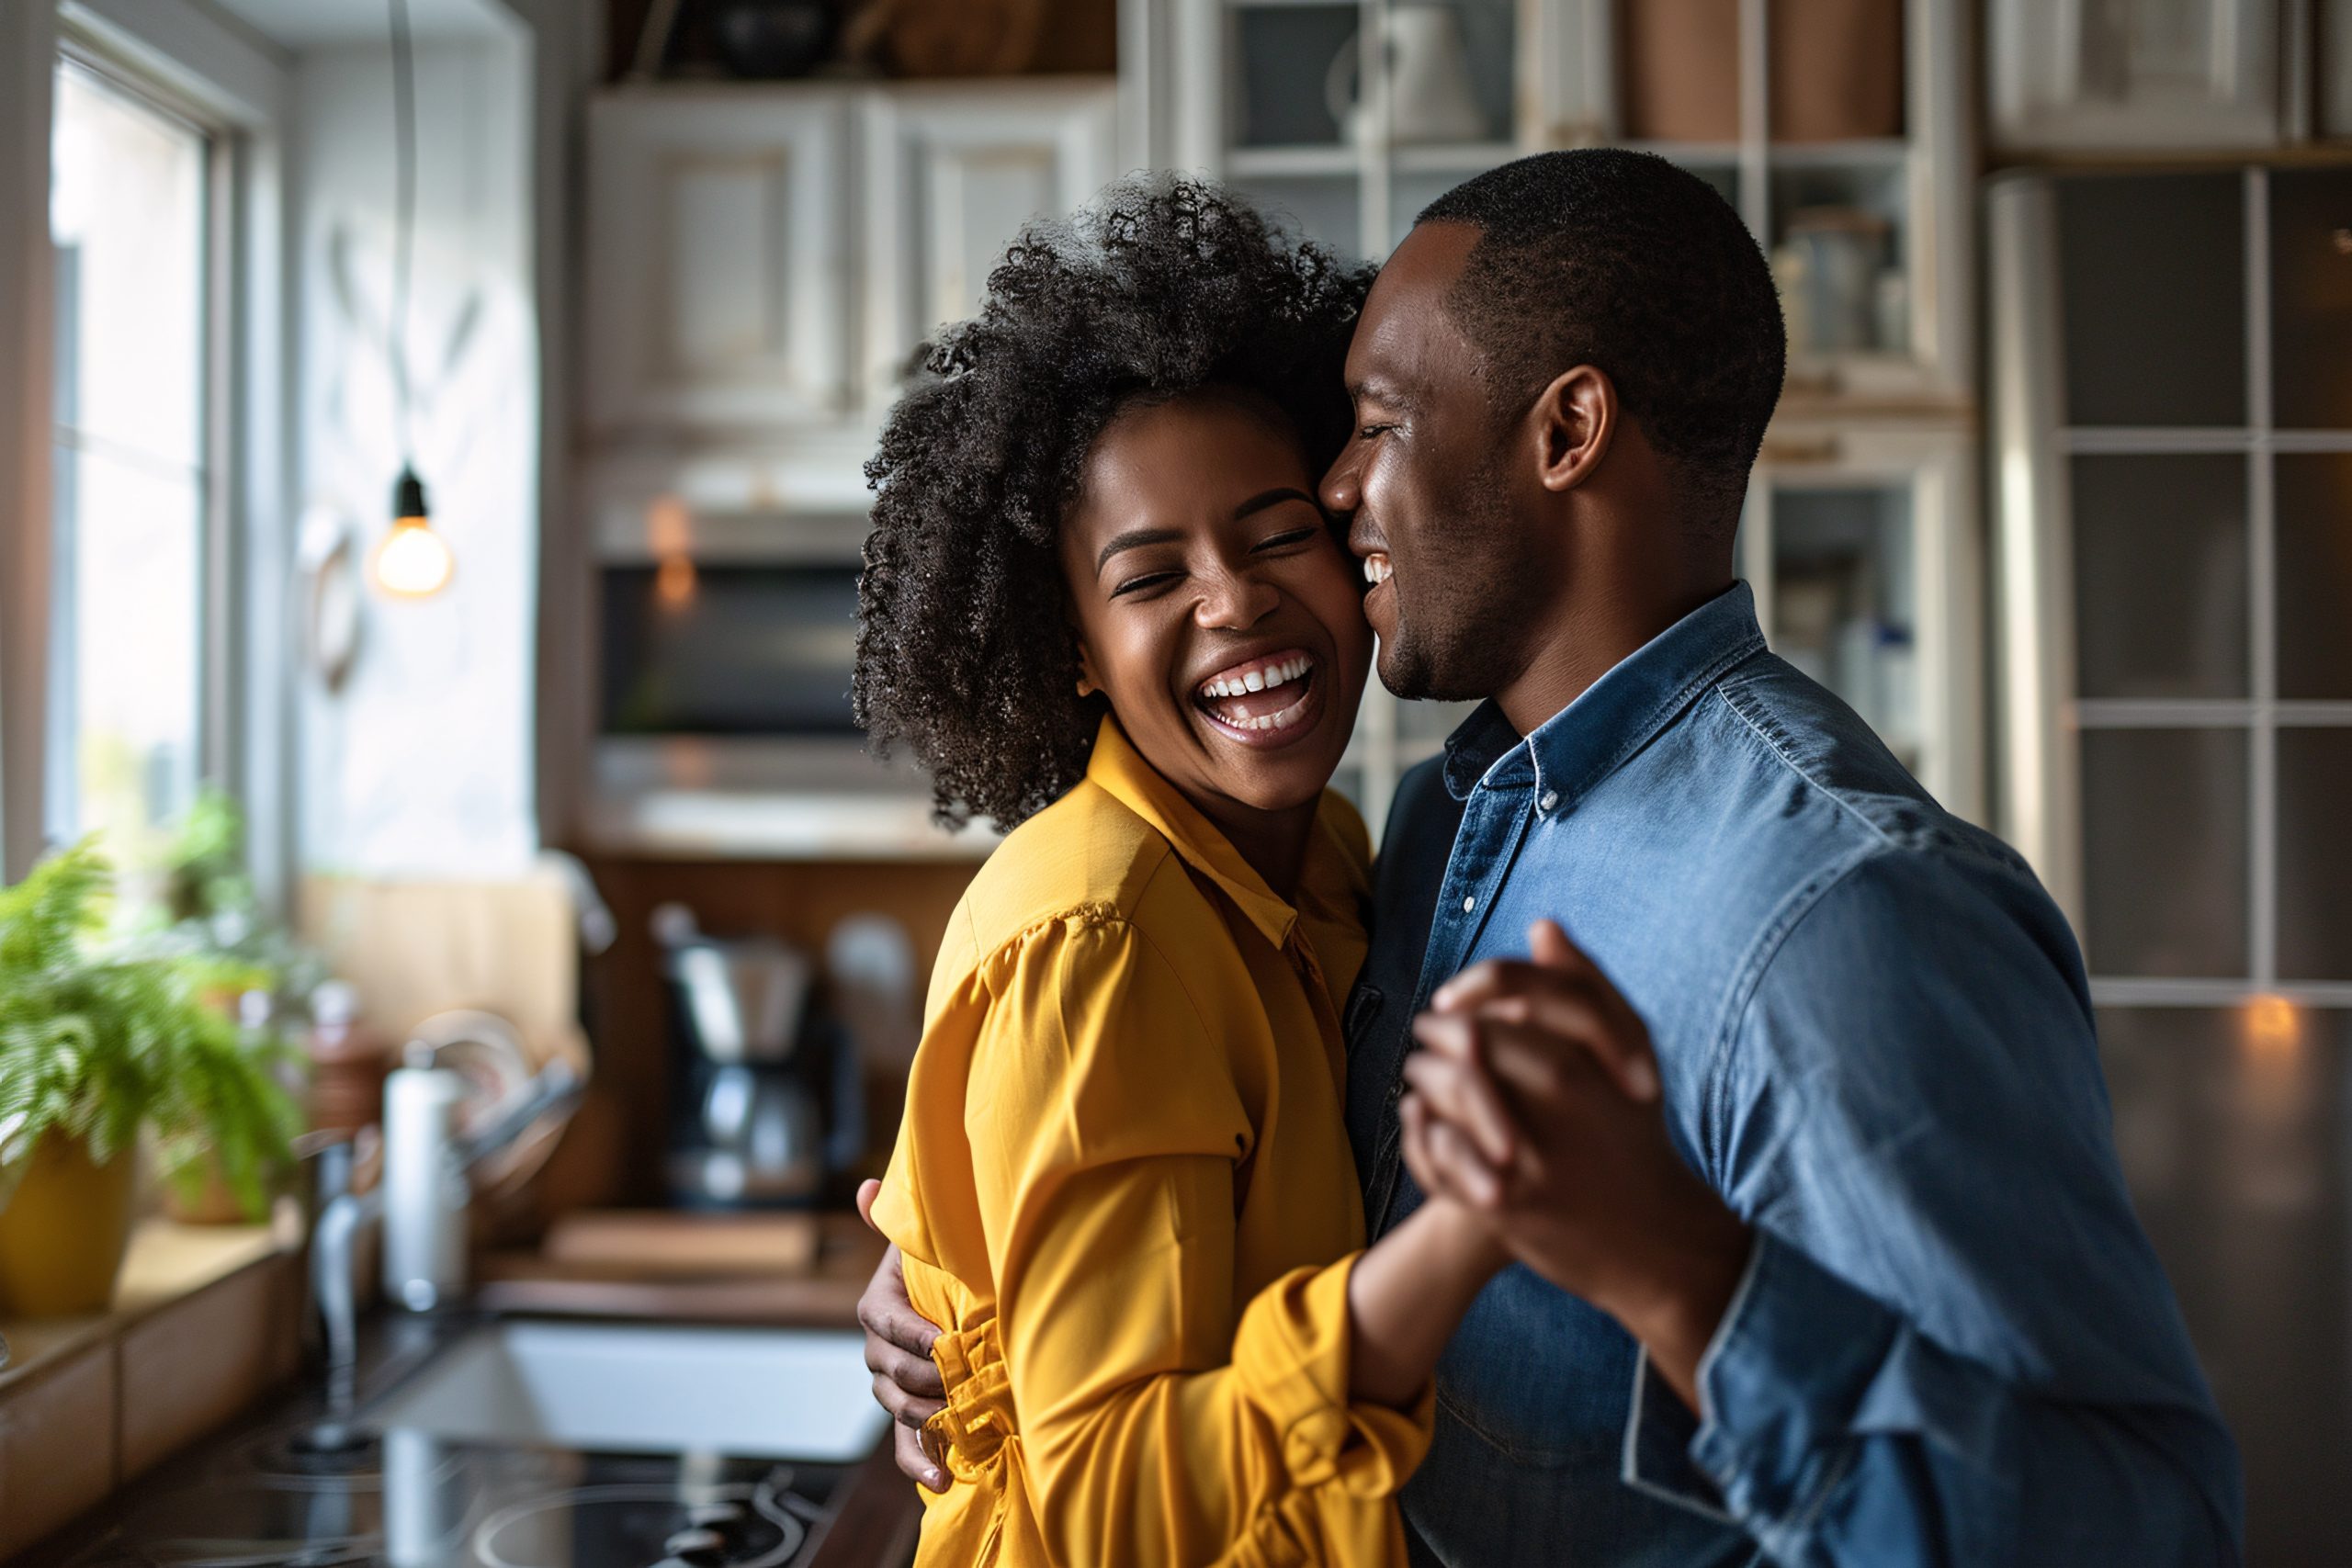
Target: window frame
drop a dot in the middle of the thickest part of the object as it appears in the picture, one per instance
(217, 545)
(192, 63)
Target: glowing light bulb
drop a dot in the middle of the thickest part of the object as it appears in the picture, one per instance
(2273, 1027)
(412, 562)
(674, 583)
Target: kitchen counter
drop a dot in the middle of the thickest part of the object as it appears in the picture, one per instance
(821, 1292)
(268, 1490)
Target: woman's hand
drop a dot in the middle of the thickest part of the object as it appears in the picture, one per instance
(1536, 1101)
(1407, 1292)
(898, 1352)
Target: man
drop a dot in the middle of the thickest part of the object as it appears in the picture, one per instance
(1803, 1142)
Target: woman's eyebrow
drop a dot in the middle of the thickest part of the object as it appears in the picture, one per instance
(1133, 539)
(1273, 498)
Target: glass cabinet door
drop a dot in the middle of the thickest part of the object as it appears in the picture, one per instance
(1865, 581)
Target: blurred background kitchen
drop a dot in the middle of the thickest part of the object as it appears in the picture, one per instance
(430, 507)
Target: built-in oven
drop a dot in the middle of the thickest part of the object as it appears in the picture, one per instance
(725, 610)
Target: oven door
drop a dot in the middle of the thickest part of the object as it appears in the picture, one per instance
(729, 649)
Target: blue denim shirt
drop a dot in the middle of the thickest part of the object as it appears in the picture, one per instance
(1952, 1343)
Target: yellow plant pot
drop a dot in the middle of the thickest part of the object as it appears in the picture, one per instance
(63, 1232)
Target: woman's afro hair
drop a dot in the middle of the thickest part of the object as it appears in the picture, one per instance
(1161, 288)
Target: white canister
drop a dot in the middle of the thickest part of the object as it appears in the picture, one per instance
(424, 1193)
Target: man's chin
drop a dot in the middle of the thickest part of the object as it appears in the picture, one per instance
(1402, 670)
(1411, 675)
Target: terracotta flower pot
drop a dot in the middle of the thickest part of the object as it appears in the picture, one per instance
(63, 1232)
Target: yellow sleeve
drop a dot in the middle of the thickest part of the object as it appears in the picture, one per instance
(1105, 1127)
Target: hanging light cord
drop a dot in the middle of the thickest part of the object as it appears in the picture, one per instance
(403, 206)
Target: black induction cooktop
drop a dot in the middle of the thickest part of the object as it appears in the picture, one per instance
(289, 1489)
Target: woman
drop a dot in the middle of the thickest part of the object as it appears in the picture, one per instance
(1102, 606)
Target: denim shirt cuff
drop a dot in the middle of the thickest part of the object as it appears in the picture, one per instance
(1795, 1349)
(1659, 1429)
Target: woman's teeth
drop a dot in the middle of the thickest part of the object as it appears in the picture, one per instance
(1258, 679)
(1260, 696)
(1376, 568)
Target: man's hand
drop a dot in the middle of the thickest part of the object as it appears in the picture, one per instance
(898, 1352)
(1537, 1100)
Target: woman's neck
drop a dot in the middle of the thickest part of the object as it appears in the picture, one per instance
(1274, 842)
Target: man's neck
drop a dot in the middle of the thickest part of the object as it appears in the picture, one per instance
(1592, 637)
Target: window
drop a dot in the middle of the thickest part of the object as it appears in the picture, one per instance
(131, 481)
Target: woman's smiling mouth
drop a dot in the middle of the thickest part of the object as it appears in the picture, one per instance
(1264, 700)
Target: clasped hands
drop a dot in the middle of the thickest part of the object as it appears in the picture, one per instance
(1536, 1103)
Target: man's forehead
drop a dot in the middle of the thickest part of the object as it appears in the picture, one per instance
(1404, 318)
(1422, 269)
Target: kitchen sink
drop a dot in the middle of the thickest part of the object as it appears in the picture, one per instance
(747, 1392)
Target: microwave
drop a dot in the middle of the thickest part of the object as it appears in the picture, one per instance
(724, 607)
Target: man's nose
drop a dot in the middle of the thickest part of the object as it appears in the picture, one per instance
(1339, 493)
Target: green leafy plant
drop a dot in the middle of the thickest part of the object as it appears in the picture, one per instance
(96, 1042)
(206, 906)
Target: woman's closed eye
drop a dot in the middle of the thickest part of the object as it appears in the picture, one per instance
(1273, 544)
(1144, 582)
(1286, 538)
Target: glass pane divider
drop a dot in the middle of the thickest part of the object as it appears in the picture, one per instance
(1307, 159)
(1755, 119)
(1865, 152)
(2163, 713)
(1372, 203)
(1464, 157)
(2117, 990)
(2098, 441)
(2262, 740)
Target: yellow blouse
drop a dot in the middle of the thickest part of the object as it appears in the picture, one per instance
(1122, 1187)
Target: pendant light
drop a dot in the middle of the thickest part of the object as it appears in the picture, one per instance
(412, 562)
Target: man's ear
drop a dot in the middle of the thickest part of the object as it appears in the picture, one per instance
(1574, 419)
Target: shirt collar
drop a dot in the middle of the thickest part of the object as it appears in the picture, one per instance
(1118, 769)
(1573, 750)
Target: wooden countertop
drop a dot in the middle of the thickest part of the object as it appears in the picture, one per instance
(821, 1292)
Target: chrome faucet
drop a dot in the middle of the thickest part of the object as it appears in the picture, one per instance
(444, 1164)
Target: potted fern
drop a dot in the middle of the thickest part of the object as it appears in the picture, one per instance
(95, 1044)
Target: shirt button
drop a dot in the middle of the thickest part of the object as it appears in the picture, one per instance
(1469, 902)
(1551, 798)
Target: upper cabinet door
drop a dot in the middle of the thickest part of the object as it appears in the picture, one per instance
(952, 175)
(716, 279)
(2083, 74)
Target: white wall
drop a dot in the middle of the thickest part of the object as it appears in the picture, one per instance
(422, 764)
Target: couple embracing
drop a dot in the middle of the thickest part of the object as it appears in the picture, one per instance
(1685, 1144)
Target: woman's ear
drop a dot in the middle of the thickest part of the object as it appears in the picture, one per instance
(1574, 419)
(1087, 684)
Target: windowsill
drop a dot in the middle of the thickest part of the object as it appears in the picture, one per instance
(168, 1261)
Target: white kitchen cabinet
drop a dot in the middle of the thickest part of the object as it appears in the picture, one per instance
(718, 223)
(762, 259)
(952, 173)
(2080, 75)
